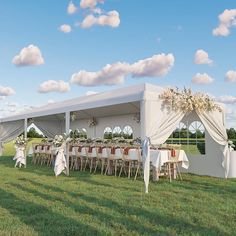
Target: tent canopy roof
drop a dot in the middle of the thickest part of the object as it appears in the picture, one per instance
(131, 95)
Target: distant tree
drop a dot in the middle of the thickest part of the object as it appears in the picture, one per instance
(176, 134)
(199, 134)
(183, 133)
(32, 133)
(231, 133)
(108, 135)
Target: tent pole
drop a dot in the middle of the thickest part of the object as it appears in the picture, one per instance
(25, 127)
(67, 126)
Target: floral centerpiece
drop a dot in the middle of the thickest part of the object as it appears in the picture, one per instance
(20, 141)
(92, 122)
(72, 137)
(58, 141)
(186, 101)
(20, 146)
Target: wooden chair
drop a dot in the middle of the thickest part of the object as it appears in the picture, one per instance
(35, 153)
(131, 161)
(82, 151)
(115, 160)
(91, 156)
(48, 154)
(103, 153)
(72, 157)
(172, 166)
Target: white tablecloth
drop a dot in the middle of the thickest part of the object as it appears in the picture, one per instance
(232, 167)
(20, 156)
(159, 157)
(60, 162)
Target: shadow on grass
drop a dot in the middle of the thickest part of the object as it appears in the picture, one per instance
(113, 222)
(221, 186)
(38, 169)
(41, 219)
(123, 218)
(117, 216)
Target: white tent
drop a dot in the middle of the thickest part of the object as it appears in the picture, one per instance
(123, 107)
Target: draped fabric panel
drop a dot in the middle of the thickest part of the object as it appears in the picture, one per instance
(214, 124)
(50, 128)
(158, 134)
(9, 131)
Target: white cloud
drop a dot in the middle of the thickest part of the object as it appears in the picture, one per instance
(155, 66)
(71, 9)
(227, 19)
(90, 3)
(54, 86)
(201, 57)
(65, 28)
(230, 76)
(111, 18)
(202, 79)
(109, 75)
(6, 91)
(50, 101)
(227, 99)
(231, 117)
(11, 104)
(29, 56)
(97, 10)
(11, 108)
(2, 97)
(90, 93)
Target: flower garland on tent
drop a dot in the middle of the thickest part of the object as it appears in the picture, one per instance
(187, 101)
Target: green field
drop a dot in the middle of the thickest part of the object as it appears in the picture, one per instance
(34, 202)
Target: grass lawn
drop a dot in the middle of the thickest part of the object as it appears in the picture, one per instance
(34, 202)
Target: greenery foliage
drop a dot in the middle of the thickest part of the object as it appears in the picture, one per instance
(32, 133)
(34, 202)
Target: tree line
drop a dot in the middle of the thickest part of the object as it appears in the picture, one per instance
(179, 133)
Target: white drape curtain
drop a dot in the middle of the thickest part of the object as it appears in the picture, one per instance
(60, 162)
(50, 128)
(158, 134)
(9, 131)
(214, 124)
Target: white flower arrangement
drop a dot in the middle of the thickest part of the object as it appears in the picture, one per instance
(186, 101)
(20, 141)
(58, 141)
(92, 122)
(231, 144)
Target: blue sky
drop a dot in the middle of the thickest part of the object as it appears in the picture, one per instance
(141, 29)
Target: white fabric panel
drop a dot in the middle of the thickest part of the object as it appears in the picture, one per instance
(159, 123)
(9, 131)
(60, 162)
(213, 122)
(232, 169)
(20, 156)
(168, 124)
(50, 128)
